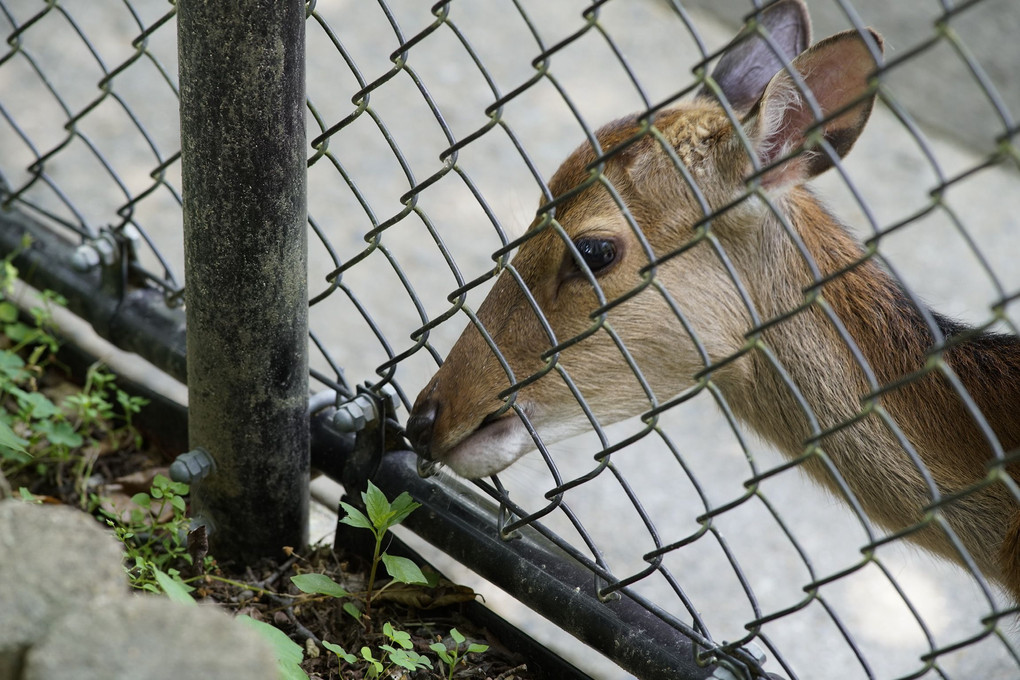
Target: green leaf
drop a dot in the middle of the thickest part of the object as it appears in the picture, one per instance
(440, 649)
(8, 312)
(401, 507)
(288, 653)
(477, 648)
(355, 517)
(377, 506)
(179, 488)
(27, 495)
(403, 570)
(402, 638)
(457, 636)
(176, 590)
(409, 660)
(60, 433)
(142, 500)
(366, 654)
(19, 332)
(10, 272)
(178, 503)
(12, 366)
(11, 441)
(318, 584)
(37, 404)
(352, 609)
(340, 652)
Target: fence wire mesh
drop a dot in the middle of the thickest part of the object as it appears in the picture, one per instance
(433, 132)
(91, 132)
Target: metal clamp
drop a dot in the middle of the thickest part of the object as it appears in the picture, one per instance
(729, 669)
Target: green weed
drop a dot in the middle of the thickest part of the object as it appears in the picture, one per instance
(47, 437)
(153, 544)
(451, 656)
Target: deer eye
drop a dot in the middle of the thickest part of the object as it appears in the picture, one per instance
(597, 253)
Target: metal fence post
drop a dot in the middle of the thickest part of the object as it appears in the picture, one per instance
(242, 79)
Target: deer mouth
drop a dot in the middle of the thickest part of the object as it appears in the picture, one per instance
(497, 442)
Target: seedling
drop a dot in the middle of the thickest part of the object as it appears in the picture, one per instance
(153, 545)
(382, 516)
(40, 435)
(403, 655)
(451, 657)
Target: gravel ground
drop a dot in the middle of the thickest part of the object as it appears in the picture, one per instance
(888, 170)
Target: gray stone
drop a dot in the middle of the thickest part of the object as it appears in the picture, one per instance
(53, 559)
(149, 637)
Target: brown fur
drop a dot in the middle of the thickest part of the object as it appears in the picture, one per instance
(645, 204)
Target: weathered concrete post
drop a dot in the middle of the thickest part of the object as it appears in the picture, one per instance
(242, 79)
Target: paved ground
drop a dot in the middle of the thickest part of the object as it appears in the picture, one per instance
(888, 170)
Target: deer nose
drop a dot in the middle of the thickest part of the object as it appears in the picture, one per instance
(420, 426)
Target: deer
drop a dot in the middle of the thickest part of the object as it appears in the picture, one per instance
(688, 237)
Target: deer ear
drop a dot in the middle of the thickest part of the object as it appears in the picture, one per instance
(750, 61)
(836, 96)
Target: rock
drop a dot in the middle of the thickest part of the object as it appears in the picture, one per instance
(55, 559)
(149, 637)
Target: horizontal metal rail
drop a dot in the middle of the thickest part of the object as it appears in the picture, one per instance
(136, 318)
(462, 524)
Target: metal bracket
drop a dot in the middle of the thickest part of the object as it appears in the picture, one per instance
(371, 417)
(111, 253)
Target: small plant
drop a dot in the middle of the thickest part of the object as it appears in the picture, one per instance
(403, 655)
(39, 435)
(153, 545)
(383, 516)
(380, 516)
(451, 657)
(30, 424)
(95, 406)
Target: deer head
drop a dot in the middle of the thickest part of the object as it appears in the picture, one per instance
(624, 289)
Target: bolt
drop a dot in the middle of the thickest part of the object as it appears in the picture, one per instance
(388, 393)
(724, 673)
(85, 258)
(192, 466)
(91, 254)
(356, 414)
(321, 400)
(132, 237)
(726, 670)
(754, 650)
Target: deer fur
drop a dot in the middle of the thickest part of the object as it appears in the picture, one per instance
(678, 310)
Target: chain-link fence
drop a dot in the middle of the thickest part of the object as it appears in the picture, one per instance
(434, 134)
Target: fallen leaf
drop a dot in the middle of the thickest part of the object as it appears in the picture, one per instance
(423, 597)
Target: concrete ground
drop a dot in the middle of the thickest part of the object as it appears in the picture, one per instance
(959, 258)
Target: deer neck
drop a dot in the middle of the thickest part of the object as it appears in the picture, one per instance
(822, 385)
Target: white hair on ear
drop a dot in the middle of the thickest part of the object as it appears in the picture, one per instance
(773, 140)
